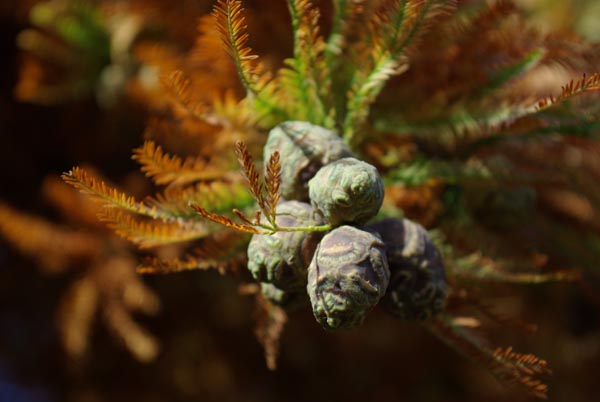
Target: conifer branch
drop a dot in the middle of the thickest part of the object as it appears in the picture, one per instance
(54, 246)
(151, 233)
(475, 266)
(105, 194)
(272, 184)
(265, 194)
(223, 251)
(344, 10)
(177, 86)
(218, 196)
(171, 169)
(231, 24)
(308, 78)
(510, 368)
(270, 321)
(190, 262)
(252, 177)
(573, 88)
(225, 221)
(396, 26)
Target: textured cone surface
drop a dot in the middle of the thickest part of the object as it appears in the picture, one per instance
(418, 286)
(282, 258)
(347, 191)
(304, 148)
(347, 277)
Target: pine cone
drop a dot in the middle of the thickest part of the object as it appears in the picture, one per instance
(418, 284)
(347, 277)
(303, 148)
(346, 191)
(282, 258)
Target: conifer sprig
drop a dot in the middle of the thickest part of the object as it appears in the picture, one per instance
(270, 321)
(477, 267)
(510, 368)
(225, 221)
(151, 233)
(105, 194)
(231, 24)
(177, 87)
(272, 185)
(573, 88)
(266, 195)
(396, 26)
(218, 196)
(308, 79)
(166, 169)
(344, 11)
(153, 266)
(252, 177)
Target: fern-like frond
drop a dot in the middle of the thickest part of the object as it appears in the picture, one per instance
(420, 170)
(52, 245)
(151, 233)
(235, 114)
(307, 81)
(270, 321)
(72, 205)
(478, 267)
(163, 266)
(178, 89)
(266, 195)
(508, 113)
(573, 88)
(365, 87)
(344, 13)
(510, 368)
(139, 341)
(231, 24)
(220, 196)
(223, 251)
(105, 194)
(171, 169)
(487, 310)
(208, 51)
(225, 221)
(511, 71)
(272, 184)
(397, 25)
(251, 174)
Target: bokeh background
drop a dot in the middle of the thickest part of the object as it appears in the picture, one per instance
(205, 327)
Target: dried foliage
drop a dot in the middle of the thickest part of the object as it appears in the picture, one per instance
(270, 323)
(457, 103)
(514, 369)
(106, 283)
(224, 251)
(54, 246)
(171, 169)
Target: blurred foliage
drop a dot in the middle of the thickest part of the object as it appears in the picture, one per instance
(468, 124)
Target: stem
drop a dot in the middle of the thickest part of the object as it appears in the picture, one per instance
(313, 228)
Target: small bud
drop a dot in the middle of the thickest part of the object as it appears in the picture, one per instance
(304, 148)
(346, 191)
(418, 284)
(347, 277)
(282, 258)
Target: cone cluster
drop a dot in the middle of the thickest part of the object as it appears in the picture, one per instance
(347, 271)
